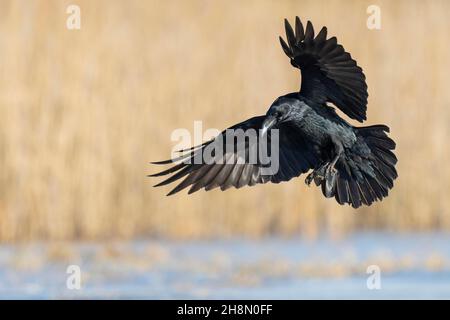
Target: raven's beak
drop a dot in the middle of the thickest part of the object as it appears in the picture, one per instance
(268, 123)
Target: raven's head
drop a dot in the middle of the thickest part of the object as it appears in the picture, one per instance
(282, 110)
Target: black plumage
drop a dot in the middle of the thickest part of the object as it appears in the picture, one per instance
(355, 165)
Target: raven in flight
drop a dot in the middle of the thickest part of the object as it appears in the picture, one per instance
(355, 165)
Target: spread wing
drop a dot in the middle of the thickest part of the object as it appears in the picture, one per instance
(329, 74)
(296, 156)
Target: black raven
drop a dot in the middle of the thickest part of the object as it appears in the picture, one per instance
(356, 165)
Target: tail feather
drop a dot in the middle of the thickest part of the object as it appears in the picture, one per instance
(366, 172)
(342, 192)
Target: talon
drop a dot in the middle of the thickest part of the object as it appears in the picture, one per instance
(330, 170)
(318, 175)
(309, 178)
(318, 179)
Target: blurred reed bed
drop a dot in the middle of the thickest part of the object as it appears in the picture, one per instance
(82, 113)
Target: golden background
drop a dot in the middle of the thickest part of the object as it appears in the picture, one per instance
(84, 111)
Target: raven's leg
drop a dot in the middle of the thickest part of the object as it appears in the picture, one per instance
(330, 172)
(339, 150)
(326, 171)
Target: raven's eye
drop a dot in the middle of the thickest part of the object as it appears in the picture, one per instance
(278, 114)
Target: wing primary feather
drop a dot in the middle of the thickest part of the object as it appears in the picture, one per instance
(309, 33)
(299, 31)
(285, 47)
(170, 170)
(289, 34)
(180, 174)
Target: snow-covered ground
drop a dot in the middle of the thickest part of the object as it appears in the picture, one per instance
(411, 266)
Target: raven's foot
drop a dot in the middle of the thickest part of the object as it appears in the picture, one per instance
(309, 178)
(330, 171)
(318, 175)
(330, 180)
